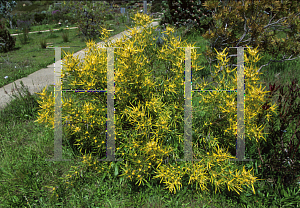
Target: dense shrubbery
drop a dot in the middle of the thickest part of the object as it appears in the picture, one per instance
(39, 17)
(52, 15)
(280, 153)
(56, 15)
(156, 6)
(71, 12)
(7, 42)
(90, 19)
(186, 13)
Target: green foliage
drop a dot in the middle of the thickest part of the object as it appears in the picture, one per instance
(39, 17)
(6, 7)
(186, 13)
(71, 17)
(156, 6)
(24, 37)
(232, 27)
(7, 42)
(52, 34)
(280, 154)
(89, 18)
(43, 43)
(65, 36)
(26, 102)
(109, 16)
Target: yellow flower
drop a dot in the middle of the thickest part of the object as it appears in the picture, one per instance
(131, 68)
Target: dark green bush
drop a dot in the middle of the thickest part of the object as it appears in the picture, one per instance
(281, 150)
(109, 17)
(156, 6)
(90, 21)
(43, 43)
(70, 17)
(7, 42)
(186, 13)
(39, 17)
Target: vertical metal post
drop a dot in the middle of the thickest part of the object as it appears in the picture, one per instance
(145, 7)
(57, 108)
(240, 146)
(188, 148)
(110, 151)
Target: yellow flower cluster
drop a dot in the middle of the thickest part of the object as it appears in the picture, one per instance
(148, 116)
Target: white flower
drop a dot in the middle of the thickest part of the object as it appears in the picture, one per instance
(5, 77)
(15, 67)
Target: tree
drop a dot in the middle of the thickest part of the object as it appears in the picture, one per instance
(156, 6)
(250, 18)
(187, 13)
(6, 8)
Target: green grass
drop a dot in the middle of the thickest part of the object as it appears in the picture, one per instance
(26, 145)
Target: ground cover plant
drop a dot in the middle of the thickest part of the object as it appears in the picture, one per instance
(90, 191)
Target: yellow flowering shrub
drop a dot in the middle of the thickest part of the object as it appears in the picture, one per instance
(149, 113)
(253, 96)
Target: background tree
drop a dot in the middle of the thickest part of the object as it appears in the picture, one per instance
(156, 6)
(256, 26)
(187, 13)
(5, 10)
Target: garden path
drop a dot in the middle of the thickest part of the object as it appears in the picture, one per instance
(45, 31)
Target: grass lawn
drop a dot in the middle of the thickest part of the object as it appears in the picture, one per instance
(27, 179)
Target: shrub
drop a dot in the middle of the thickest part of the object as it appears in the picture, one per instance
(39, 17)
(7, 42)
(186, 13)
(109, 16)
(43, 43)
(148, 115)
(71, 17)
(45, 21)
(90, 20)
(65, 36)
(156, 6)
(56, 15)
(50, 9)
(280, 154)
(14, 21)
